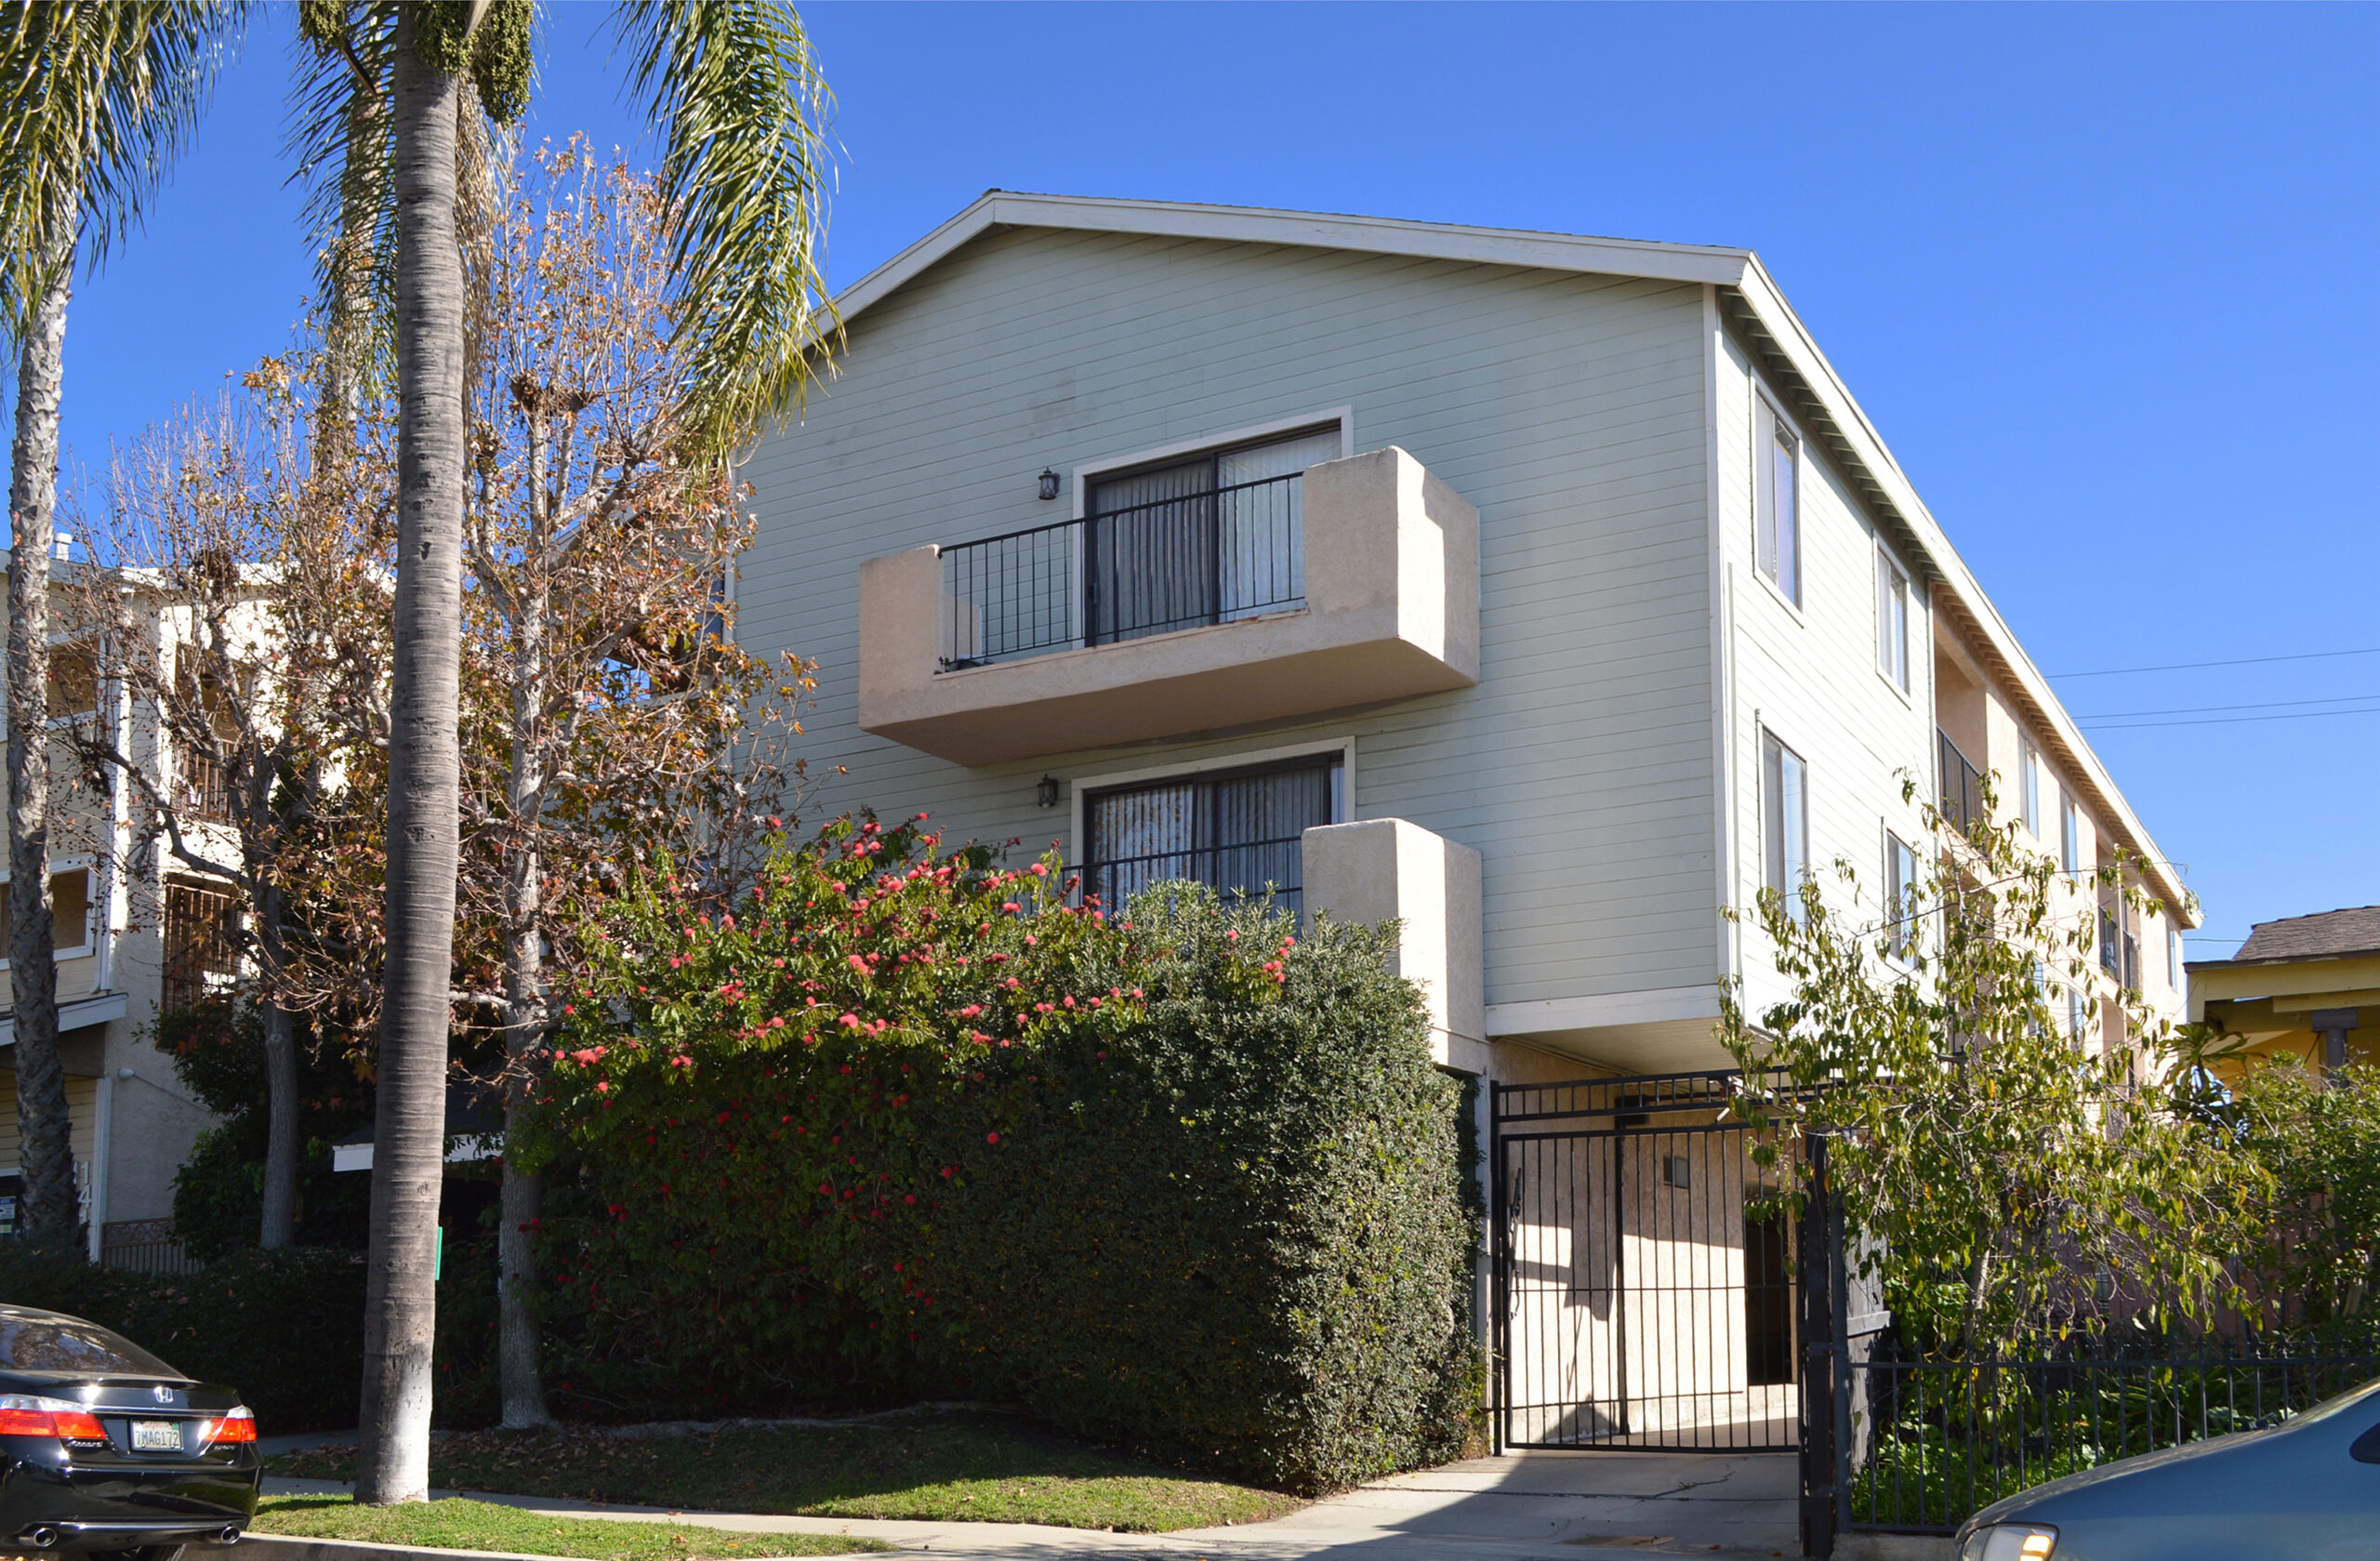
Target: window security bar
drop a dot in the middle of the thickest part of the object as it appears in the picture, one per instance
(1171, 563)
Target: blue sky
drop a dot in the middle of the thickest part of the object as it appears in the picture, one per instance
(2098, 274)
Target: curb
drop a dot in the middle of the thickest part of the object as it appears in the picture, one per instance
(291, 1547)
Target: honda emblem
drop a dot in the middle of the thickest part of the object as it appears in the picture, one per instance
(162, 1394)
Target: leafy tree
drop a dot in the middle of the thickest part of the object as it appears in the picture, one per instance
(2312, 1146)
(246, 620)
(391, 107)
(1997, 1163)
(95, 99)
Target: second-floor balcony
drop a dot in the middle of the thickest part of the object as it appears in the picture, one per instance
(1962, 788)
(1347, 583)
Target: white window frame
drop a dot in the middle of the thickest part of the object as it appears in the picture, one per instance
(2069, 835)
(1901, 922)
(1773, 561)
(88, 867)
(1777, 830)
(2028, 786)
(1893, 593)
(1080, 787)
(2173, 972)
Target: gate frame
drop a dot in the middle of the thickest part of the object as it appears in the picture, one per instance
(1650, 1094)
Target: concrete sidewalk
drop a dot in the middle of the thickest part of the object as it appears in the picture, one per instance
(1537, 1504)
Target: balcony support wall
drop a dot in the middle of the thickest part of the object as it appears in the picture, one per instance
(1386, 868)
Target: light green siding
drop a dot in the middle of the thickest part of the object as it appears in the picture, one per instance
(1569, 409)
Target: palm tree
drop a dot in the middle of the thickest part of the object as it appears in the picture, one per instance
(95, 99)
(390, 118)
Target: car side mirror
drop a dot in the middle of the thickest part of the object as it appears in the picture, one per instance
(2366, 1447)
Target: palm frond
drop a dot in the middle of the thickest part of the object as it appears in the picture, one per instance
(743, 110)
(340, 138)
(96, 100)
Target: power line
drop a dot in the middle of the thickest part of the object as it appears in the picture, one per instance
(2196, 666)
(2254, 705)
(2229, 720)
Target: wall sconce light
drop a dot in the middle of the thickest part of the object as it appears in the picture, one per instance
(1045, 793)
(1049, 483)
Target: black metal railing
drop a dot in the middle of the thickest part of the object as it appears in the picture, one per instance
(1962, 788)
(1153, 568)
(144, 1247)
(1247, 871)
(1944, 1439)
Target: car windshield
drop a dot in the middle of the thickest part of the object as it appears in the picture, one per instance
(64, 1344)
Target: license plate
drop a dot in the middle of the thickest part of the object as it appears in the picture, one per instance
(156, 1435)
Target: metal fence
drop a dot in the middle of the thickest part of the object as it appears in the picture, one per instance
(1154, 568)
(144, 1247)
(1944, 1439)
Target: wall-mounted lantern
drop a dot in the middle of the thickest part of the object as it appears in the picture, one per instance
(1045, 793)
(1049, 483)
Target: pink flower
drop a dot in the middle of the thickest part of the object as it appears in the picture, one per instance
(1010, 905)
(602, 1089)
(858, 964)
(991, 1138)
(849, 1021)
(1037, 870)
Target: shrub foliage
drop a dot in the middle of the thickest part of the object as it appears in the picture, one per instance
(908, 1122)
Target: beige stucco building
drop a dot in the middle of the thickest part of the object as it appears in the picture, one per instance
(132, 933)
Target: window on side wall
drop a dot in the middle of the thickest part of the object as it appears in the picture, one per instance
(1900, 881)
(1785, 806)
(2029, 787)
(1777, 498)
(2070, 836)
(2173, 957)
(1892, 621)
(2078, 1015)
(69, 914)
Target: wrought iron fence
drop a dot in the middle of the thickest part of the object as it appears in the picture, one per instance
(144, 1247)
(1944, 1439)
(1962, 788)
(1154, 568)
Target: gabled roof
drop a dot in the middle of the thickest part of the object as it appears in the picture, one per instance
(2330, 935)
(1754, 306)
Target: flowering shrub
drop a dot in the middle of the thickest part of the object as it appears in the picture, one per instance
(902, 1121)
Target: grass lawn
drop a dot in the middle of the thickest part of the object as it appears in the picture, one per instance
(459, 1525)
(937, 1467)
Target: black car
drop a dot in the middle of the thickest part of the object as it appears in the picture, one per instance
(103, 1447)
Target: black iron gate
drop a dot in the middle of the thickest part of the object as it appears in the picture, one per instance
(1643, 1299)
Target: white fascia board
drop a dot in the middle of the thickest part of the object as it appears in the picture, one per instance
(1380, 235)
(99, 1010)
(1767, 301)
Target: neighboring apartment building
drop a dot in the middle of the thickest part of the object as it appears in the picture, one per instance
(1551, 594)
(132, 933)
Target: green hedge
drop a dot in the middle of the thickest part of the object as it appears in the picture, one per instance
(907, 1123)
(286, 1328)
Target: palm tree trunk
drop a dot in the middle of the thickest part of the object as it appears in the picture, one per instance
(523, 1387)
(408, 1140)
(279, 1223)
(45, 1152)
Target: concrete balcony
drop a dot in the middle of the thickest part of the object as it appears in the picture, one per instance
(1352, 583)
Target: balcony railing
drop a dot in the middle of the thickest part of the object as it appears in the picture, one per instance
(1244, 871)
(1962, 788)
(1154, 568)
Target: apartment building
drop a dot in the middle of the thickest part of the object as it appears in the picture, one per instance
(133, 935)
(1551, 594)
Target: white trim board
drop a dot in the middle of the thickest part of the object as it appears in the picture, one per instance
(77, 1015)
(1559, 1014)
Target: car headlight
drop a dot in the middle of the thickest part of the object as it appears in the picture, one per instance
(2010, 1541)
